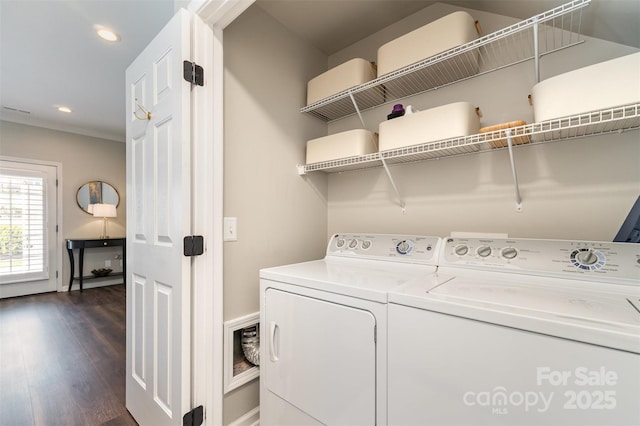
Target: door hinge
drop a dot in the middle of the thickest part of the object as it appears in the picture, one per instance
(193, 73)
(193, 245)
(194, 417)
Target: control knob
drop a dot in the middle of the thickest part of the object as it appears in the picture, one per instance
(509, 253)
(461, 249)
(404, 247)
(353, 244)
(484, 251)
(587, 257)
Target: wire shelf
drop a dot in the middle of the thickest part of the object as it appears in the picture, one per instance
(618, 119)
(556, 29)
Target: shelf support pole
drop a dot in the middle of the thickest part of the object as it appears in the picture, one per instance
(403, 206)
(514, 171)
(536, 49)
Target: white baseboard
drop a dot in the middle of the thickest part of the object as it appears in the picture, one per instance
(252, 418)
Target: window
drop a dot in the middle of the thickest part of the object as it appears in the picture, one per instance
(23, 221)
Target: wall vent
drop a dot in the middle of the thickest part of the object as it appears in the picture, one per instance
(15, 110)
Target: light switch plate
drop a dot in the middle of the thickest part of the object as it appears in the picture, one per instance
(230, 229)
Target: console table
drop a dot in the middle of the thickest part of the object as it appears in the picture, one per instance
(86, 244)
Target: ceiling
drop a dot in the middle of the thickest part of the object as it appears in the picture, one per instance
(50, 55)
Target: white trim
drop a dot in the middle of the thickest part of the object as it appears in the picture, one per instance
(208, 364)
(59, 218)
(217, 166)
(202, 205)
(232, 382)
(250, 418)
(219, 13)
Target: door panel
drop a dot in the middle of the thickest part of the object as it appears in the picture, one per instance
(158, 186)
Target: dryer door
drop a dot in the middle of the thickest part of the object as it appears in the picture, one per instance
(321, 357)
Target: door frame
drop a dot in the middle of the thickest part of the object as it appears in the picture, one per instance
(208, 131)
(59, 218)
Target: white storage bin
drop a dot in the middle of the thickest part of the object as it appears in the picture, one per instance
(349, 74)
(443, 34)
(341, 145)
(447, 121)
(599, 86)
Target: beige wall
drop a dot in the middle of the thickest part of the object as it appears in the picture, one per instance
(576, 189)
(282, 217)
(83, 159)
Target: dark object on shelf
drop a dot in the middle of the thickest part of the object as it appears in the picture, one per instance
(102, 272)
(398, 111)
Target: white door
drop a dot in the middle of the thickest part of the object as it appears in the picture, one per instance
(29, 246)
(159, 373)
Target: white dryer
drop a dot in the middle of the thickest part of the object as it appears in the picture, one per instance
(519, 332)
(324, 329)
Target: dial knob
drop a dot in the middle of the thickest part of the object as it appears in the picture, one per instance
(461, 249)
(353, 244)
(366, 244)
(587, 257)
(404, 247)
(484, 251)
(509, 253)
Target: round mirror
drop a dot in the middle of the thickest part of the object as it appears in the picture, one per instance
(96, 192)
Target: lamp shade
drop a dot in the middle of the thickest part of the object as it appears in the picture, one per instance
(104, 210)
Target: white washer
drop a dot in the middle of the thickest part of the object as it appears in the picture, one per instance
(324, 329)
(519, 332)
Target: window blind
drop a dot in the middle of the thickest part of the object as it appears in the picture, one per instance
(23, 226)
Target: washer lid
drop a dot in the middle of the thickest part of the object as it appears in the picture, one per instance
(365, 279)
(607, 318)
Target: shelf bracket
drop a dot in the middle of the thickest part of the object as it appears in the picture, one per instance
(403, 206)
(355, 105)
(513, 170)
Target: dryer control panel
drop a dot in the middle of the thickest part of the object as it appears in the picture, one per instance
(398, 248)
(586, 259)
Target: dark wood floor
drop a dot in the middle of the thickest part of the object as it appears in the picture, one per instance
(62, 359)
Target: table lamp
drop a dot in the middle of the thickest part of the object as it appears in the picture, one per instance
(104, 211)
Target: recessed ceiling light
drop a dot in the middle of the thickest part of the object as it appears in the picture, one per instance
(64, 109)
(106, 33)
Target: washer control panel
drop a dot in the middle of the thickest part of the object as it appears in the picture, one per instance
(400, 248)
(545, 257)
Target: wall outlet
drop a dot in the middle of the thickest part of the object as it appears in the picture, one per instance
(107, 263)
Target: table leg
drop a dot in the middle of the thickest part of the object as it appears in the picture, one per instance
(72, 263)
(81, 265)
